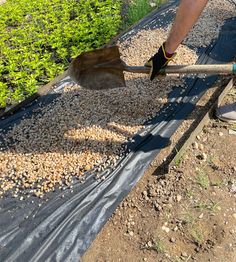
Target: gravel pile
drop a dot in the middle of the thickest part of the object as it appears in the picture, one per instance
(85, 129)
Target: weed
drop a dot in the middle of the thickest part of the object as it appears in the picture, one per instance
(138, 9)
(211, 159)
(193, 229)
(211, 207)
(159, 246)
(178, 158)
(197, 234)
(189, 193)
(217, 182)
(233, 126)
(214, 207)
(189, 219)
(202, 206)
(202, 179)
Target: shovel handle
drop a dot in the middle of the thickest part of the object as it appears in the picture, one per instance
(187, 69)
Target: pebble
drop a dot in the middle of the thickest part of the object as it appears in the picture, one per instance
(184, 254)
(201, 147)
(152, 193)
(178, 198)
(221, 133)
(201, 216)
(87, 168)
(172, 240)
(176, 228)
(166, 229)
(195, 145)
(234, 215)
(145, 193)
(157, 206)
(131, 233)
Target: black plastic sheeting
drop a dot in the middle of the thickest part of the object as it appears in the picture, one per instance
(61, 229)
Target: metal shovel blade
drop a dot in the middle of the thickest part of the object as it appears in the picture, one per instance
(99, 69)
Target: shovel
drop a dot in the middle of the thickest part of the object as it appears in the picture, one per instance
(103, 69)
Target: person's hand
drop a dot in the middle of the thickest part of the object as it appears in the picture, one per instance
(159, 61)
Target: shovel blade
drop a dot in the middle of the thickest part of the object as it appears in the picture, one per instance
(99, 69)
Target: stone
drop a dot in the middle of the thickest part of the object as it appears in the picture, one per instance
(131, 233)
(184, 254)
(201, 216)
(201, 147)
(176, 228)
(172, 240)
(221, 133)
(178, 198)
(145, 193)
(195, 145)
(166, 229)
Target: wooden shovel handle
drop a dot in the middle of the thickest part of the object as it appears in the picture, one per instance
(187, 69)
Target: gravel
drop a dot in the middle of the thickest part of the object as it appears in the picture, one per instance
(209, 24)
(85, 129)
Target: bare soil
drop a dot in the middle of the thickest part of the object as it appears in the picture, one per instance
(188, 214)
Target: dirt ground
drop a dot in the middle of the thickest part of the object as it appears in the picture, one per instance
(188, 214)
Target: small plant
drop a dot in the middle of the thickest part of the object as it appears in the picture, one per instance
(193, 229)
(159, 246)
(211, 159)
(189, 219)
(233, 126)
(189, 193)
(214, 207)
(202, 179)
(197, 235)
(178, 158)
(139, 8)
(211, 207)
(202, 206)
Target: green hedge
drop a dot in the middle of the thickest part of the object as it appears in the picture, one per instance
(38, 38)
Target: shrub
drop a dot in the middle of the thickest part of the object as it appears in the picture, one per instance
(38, 38)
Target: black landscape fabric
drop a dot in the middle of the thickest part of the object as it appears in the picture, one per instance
(62, 229)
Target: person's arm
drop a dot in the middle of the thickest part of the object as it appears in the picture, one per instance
(187, 14)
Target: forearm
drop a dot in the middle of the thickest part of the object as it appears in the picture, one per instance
(187, 14)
